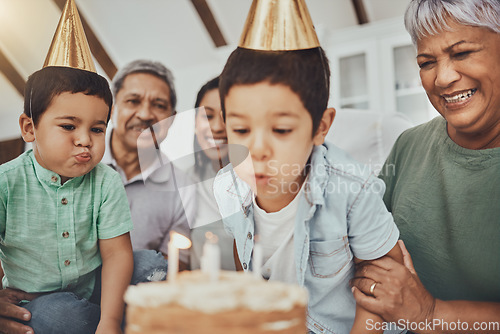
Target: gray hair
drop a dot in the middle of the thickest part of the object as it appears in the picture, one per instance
(429, 17)
(145, 66)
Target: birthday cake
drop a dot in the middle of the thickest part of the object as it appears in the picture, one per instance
(235, 303)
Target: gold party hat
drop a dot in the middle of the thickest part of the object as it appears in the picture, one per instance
(279, 25)
(69, 46)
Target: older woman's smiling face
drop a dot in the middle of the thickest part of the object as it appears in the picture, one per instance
(460, 71)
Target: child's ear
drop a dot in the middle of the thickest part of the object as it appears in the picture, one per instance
(324, 126)
(27, 128)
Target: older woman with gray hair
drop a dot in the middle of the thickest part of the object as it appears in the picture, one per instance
(443, 184)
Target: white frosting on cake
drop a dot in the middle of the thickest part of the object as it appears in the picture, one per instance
(194, 290)
(280, 325)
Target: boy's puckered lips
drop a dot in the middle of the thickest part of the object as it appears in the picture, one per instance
(262, 179)
(83, 157)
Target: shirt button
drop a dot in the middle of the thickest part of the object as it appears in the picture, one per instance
(65, 234)
(67, 262)
(54, 178)
(244, 265)
(249, 236)
(64, 201)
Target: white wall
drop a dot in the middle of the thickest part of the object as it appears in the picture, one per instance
(11, 107)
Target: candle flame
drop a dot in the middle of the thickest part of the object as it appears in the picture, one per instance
(179, 240)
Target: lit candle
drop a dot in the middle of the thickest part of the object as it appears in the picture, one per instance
(210, 260)
(257, 260)
(177, 241)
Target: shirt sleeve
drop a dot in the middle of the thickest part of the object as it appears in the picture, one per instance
(114, 213)
(372, 231)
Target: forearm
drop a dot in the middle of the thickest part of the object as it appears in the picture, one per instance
(465, 317)
(117, 268)
(116, 276)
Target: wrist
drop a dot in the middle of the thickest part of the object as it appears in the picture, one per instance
(431, 309)
(110, 320)
(435, 311)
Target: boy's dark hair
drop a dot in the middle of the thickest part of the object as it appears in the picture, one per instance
(45, 84)
(306, 72)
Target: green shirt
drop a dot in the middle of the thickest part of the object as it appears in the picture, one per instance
(445, 200)
(49, 232)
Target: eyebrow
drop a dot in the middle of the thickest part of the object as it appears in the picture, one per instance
(101, 123)
(447, 49)
(274, 114)
(156, 99)
(232, 114)
(136, 95)
(71, 118)
(284, 114)
(78, 120)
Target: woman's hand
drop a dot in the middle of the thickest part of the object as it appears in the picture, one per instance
(398, 292)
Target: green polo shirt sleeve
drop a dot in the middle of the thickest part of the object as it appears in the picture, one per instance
(114, 212)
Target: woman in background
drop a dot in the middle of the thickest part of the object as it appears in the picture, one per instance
(211, 154)
(443, 180)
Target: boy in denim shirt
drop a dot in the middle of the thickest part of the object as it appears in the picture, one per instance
(314, 211)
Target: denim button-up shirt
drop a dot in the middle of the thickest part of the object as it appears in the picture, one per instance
(340, 216)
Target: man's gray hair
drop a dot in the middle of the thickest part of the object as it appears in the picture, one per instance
(430, 17)
(146, 66)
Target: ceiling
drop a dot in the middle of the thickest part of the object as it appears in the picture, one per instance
(170, 31)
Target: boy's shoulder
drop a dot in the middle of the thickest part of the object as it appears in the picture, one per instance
(17, 164)
(105, 173)
(340, 164)
(103, 168)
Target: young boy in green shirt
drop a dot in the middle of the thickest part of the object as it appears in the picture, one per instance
(61, 211)
(64, 217)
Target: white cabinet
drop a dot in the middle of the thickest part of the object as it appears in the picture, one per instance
(374, 67)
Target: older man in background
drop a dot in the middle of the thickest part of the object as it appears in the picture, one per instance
(143, 111)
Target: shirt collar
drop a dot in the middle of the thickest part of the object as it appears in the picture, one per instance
(47, 176)
(158, 172)
(318, 176)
